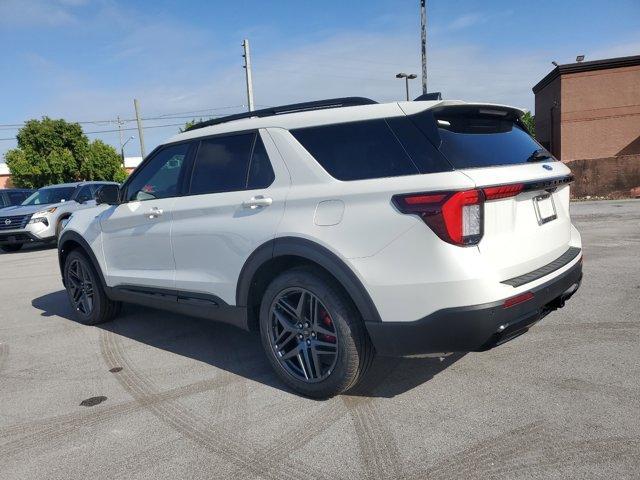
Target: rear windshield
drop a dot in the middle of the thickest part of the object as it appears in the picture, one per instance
(471, 140)
(377, 148)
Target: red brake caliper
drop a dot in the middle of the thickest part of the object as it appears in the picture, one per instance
(326, 319)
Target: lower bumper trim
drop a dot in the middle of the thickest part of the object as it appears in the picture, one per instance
(12, 238)
(476, 327)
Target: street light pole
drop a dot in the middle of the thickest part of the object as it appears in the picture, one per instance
(122, 145)
(407, 77)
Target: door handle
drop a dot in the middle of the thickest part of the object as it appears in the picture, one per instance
(257, 202)
(155, 212)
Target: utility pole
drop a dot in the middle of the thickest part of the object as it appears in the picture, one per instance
(120, 131)
(423, 42)
(247, 68)
(139, 120)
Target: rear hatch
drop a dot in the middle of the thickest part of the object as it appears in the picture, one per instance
(526, 224)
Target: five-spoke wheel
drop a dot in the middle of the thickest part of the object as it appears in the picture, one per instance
(303, 335)
(313, 334)
(80, 287)
(85, 291)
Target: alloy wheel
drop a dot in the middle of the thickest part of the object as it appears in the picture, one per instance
(80, 287)
(303, 335)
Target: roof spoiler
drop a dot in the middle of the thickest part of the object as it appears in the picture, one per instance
(427, 97)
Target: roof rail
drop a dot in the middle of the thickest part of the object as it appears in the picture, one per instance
(293, 108)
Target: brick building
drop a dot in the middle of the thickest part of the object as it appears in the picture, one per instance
(588, 115)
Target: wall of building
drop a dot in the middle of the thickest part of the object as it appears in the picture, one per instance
(5, 181)
(600, 113)
(547, 117)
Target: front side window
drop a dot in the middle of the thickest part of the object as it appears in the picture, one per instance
(160, 177)
(84, 195)
(49, 195)
(231, 163)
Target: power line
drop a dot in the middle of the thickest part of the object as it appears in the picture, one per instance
(163, 116)
(123, 129)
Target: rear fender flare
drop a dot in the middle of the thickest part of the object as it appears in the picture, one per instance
(313, 252)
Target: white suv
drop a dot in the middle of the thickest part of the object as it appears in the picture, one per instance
(338, 229)
(41, 217)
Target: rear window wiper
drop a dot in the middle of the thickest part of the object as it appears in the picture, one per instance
(539, 155)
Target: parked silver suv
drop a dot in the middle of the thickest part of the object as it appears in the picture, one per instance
(42, 215)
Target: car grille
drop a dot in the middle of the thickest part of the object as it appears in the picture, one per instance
(14, 222)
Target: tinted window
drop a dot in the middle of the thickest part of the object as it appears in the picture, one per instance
(159, 178)
(16, 198)
(475, 140)
(85, 194)
(418, 147)
(221, 164)
(260, 172)
(2, 201)
(360, 150)
(50, 195)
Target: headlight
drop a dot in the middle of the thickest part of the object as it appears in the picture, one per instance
(44, 212)
(39, 220)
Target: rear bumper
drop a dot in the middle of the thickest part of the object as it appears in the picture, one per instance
(475, 327)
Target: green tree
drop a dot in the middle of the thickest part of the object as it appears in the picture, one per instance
(102, 163)
(55, 151)
(530, 122)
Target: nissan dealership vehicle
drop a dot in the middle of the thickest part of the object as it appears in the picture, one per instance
(338, 229)
(42, 215)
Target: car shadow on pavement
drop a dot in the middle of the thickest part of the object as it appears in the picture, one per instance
(240, 352)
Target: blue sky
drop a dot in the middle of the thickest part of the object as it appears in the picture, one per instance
(85, 60)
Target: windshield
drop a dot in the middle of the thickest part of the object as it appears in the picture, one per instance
(471, 140)
(46, 196)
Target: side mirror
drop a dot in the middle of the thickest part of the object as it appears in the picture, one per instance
(108, 194)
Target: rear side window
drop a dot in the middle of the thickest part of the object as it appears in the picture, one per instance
(260, 171)
(472, 139)
(232, 163)
(370, 149)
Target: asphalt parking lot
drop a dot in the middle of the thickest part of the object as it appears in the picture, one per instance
(185, 398)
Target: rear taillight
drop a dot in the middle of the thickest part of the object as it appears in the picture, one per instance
(503, 191)
(456, 217)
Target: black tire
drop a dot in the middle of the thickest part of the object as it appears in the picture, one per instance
(102, 309)
(12, 247)
(354, 349)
